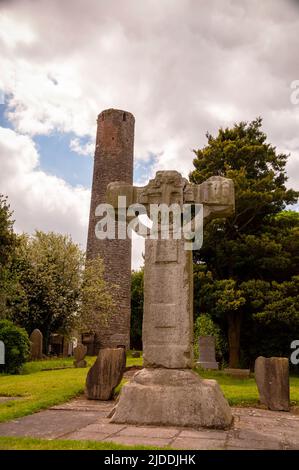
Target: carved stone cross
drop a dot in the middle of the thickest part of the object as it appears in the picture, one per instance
(167, 391)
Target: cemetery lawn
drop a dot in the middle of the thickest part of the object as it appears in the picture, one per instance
(45, 383)
(50, 382)
(27, 443)
(243, 392)
(39, 390)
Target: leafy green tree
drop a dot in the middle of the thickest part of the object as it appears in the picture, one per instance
(136, 309)
(56, 292)
(96, 301)
(258, 241)
(274, 320)
(8, 243)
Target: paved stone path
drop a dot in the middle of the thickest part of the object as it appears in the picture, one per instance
(81, 419)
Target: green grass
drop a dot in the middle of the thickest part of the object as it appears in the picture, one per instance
(27, 443)
(243, 392)
(39, 389)
(52, 364)
(67, 363)
(38, 366)
(132, 361)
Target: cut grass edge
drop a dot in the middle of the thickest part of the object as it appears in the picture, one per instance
(28, 443)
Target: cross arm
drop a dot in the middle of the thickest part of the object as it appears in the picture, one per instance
(119, 188)
(216, 194)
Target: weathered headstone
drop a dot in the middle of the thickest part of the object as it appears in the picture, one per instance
(2, 353)
(105, 374)
(68, 349)
(167, 391)
(272, 379)
(79, 355)
(207, 354)
(36, 345)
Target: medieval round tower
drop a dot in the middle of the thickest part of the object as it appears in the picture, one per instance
(113, 161)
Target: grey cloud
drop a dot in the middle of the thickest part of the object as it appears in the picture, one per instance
(181, 66)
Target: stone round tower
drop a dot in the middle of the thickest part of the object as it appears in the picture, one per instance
(113, 161)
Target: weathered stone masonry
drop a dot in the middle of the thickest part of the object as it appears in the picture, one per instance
(113, 161)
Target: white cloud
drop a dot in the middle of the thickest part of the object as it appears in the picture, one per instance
(86, 149)
(183, 67)
(39, 201)
(12, 32)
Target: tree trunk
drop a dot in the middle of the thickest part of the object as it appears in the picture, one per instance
(234, 327)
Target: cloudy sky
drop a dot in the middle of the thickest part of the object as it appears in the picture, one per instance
(182, 67)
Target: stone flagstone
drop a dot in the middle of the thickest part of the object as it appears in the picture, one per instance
(251, 429)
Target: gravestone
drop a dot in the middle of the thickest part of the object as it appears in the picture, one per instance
(105, 374)
(2, 353)
(79, 354)
(272, 379)
(207, 355)
(36, 345)
(167, 391)
(68, 347)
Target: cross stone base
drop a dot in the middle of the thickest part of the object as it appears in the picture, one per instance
(208, 365)
(173, 397)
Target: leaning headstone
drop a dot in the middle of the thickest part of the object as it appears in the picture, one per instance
(272, 379)
(167, 391)
(105, 374)
(207, 354)
(36, 345)
(79, 354)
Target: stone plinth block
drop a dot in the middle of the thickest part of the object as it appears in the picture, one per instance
(105, 374)
(172, 397)
(272, 379)
(238, 373)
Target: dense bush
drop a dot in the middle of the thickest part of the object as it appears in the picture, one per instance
(17, 346)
